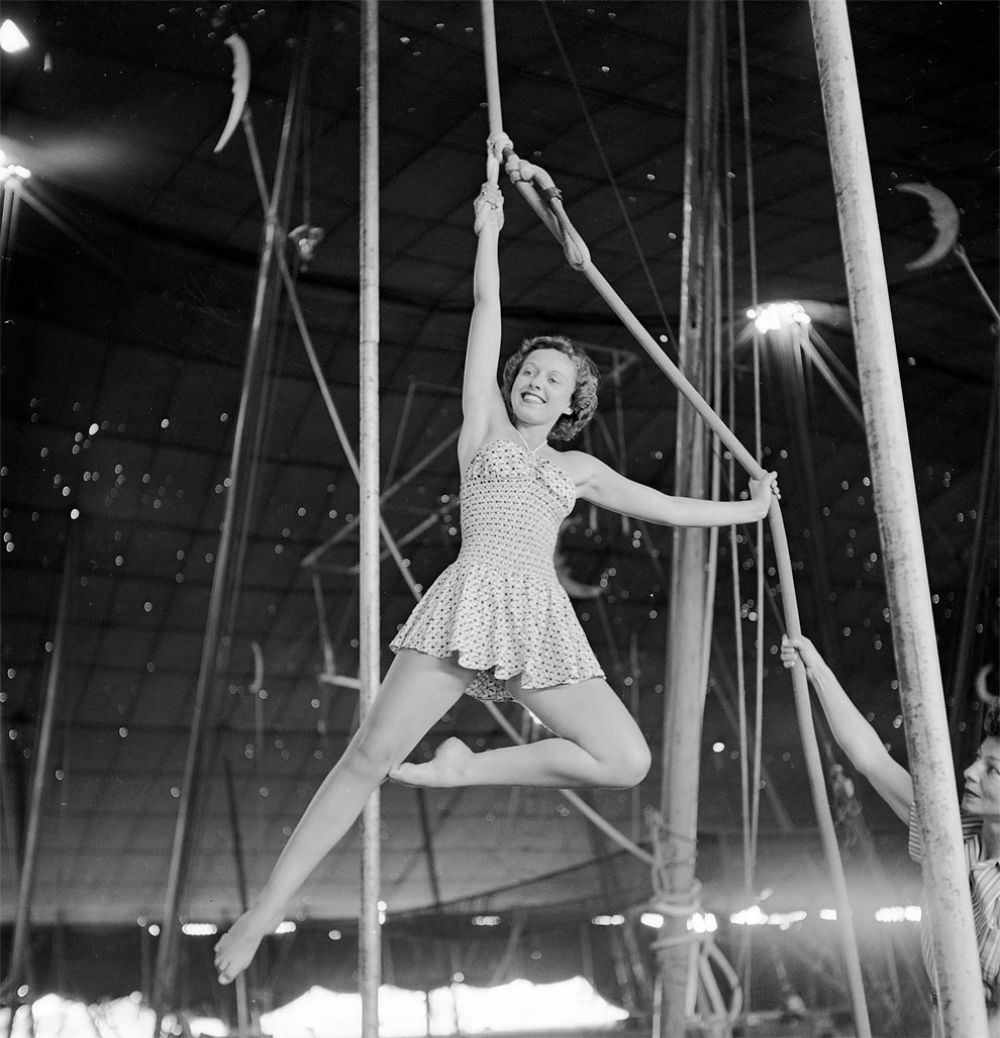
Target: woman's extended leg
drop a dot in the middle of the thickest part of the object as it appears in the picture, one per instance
(416, 691)
(598, 744)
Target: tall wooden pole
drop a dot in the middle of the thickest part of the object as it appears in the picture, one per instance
(946, 881)
(369, 938)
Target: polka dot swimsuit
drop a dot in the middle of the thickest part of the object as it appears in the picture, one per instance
(499, 606)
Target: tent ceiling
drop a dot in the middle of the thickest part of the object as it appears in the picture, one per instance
(129, 299)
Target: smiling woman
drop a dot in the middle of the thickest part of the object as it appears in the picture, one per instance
(551, 366)
(497, 623)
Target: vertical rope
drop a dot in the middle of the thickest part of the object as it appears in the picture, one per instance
(492, 66)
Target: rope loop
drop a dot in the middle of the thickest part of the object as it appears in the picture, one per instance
(679, 904)
(544, 197)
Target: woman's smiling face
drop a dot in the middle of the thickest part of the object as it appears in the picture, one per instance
(981, 796)
(543, 388)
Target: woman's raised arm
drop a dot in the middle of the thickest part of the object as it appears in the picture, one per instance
(482, 402)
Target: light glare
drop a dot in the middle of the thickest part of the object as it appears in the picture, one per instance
(12, 39)
(773, 317)
(199, 929)
(608, 920)
(899, 914)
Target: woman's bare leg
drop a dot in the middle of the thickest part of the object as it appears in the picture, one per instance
(416, 691)
(598, 745)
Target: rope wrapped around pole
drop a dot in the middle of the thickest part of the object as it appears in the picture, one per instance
(541, 193)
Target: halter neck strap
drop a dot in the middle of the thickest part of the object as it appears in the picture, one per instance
(531, 450)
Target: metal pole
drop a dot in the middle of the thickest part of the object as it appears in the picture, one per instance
(40, 768)
(946, 881)
(369, 937)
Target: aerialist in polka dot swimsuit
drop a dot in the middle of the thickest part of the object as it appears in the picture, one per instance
(496, 624)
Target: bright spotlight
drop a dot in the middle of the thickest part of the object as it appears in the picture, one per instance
(11, 38)
(774, 317)
(13, 171)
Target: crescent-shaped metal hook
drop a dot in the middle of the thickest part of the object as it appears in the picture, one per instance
(944, 216)
(982, 690)
(241, 86)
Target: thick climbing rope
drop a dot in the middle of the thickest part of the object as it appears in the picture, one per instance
(541, 193)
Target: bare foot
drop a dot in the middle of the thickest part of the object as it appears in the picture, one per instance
(235, 949)
(446, 768)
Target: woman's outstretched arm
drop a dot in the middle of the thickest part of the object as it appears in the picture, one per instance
(602, 485)
(854, 735)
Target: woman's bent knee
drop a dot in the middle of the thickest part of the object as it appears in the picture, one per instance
(631, 766)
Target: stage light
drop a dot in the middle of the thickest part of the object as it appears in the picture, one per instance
(774, 317)
(703, 922)
(608, 920)
(12, 39)
(199, 929)
(13, 172)
(10, 170)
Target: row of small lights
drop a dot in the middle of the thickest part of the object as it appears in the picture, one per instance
(706, 922)
(698, 922)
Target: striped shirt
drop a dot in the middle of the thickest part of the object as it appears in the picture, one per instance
(984, 887)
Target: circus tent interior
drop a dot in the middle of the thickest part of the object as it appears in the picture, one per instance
(134, 280)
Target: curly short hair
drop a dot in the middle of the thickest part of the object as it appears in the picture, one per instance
(991, 720)
(583, 403)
